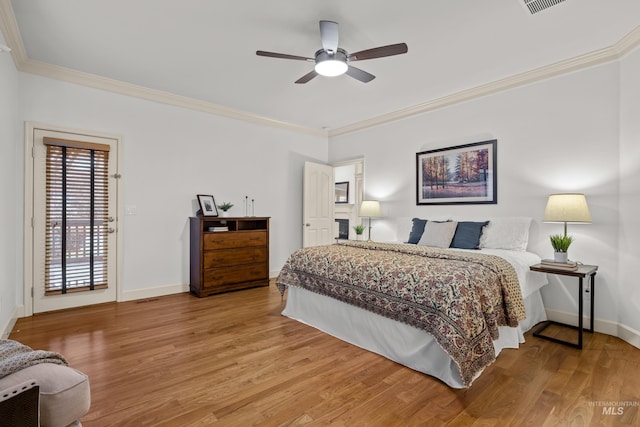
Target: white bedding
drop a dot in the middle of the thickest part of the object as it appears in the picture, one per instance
(405, 344)
(530, 281)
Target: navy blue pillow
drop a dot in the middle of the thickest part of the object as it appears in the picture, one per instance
(467, 235)
(416, 230)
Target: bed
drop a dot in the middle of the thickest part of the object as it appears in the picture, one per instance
(446, 312)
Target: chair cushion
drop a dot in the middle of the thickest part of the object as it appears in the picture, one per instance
(64, 392)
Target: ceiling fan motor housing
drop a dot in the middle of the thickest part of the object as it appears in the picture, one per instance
(323, 55)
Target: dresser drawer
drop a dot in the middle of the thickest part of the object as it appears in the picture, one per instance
(229, 257)
(233, 240)
(221, 276)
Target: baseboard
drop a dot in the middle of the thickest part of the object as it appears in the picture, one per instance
(153, 292)
(629, 335)
(166, 290)
(6, 329)
(131, 295)
(608, 327)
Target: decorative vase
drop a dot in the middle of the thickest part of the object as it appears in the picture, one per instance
(560, 257)
(225, 213)
(359, 236)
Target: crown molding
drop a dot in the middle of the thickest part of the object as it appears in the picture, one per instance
(9, 28)
(628, 43)
(11, 32)
(613, 53)
(97, 82)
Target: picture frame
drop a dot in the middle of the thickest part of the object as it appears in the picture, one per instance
(342, 192)
(462, 174)
(207, 205)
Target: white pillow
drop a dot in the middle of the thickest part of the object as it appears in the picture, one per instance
(438, 234)
(506, 233)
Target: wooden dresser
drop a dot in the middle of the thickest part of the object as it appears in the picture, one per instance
(224, 261)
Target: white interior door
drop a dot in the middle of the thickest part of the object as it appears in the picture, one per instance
(318, 205)
(71, 298)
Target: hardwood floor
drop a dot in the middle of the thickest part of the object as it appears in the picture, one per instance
(233, 360)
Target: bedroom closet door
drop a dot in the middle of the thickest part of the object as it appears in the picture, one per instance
(74, 231)
(318, 204)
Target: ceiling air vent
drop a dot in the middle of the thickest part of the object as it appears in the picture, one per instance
(536, 6)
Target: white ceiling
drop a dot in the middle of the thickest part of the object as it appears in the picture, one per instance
(205, 50)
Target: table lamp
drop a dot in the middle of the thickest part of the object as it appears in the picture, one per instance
(568, 207)
(370, 209)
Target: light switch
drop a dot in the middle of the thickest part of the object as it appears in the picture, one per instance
(132, 210)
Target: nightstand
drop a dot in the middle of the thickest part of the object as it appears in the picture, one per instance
(581, 273)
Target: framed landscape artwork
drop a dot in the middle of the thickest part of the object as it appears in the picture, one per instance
(464, 174)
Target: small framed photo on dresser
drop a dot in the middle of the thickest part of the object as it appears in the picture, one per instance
(207, 205)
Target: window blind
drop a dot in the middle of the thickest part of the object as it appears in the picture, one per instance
(77, 216)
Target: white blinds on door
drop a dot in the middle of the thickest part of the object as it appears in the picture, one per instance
(77, 216)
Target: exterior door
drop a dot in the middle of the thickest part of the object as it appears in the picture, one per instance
(74, 239)
(318, 205)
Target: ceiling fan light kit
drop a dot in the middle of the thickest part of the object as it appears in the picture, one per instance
(331, 65)
(333, 61)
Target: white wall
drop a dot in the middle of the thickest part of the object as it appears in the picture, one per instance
(10, 209)
(172, 154)
(558, 135)
(629, 230)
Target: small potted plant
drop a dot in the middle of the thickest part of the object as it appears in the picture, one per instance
(359, 229)
(224, 207)
(560, 245)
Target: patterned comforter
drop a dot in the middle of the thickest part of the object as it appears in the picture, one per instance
(458, 297)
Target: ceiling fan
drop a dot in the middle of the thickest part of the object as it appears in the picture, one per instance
(334, 61)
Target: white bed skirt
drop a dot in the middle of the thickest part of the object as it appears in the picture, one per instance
(394, 340)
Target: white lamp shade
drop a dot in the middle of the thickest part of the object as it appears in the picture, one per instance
(567, 208)
(370, 208)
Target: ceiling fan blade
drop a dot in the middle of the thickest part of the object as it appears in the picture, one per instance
(307, 77)
(359, 74)
(329, 35)
(283, 56)
(379, 52)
